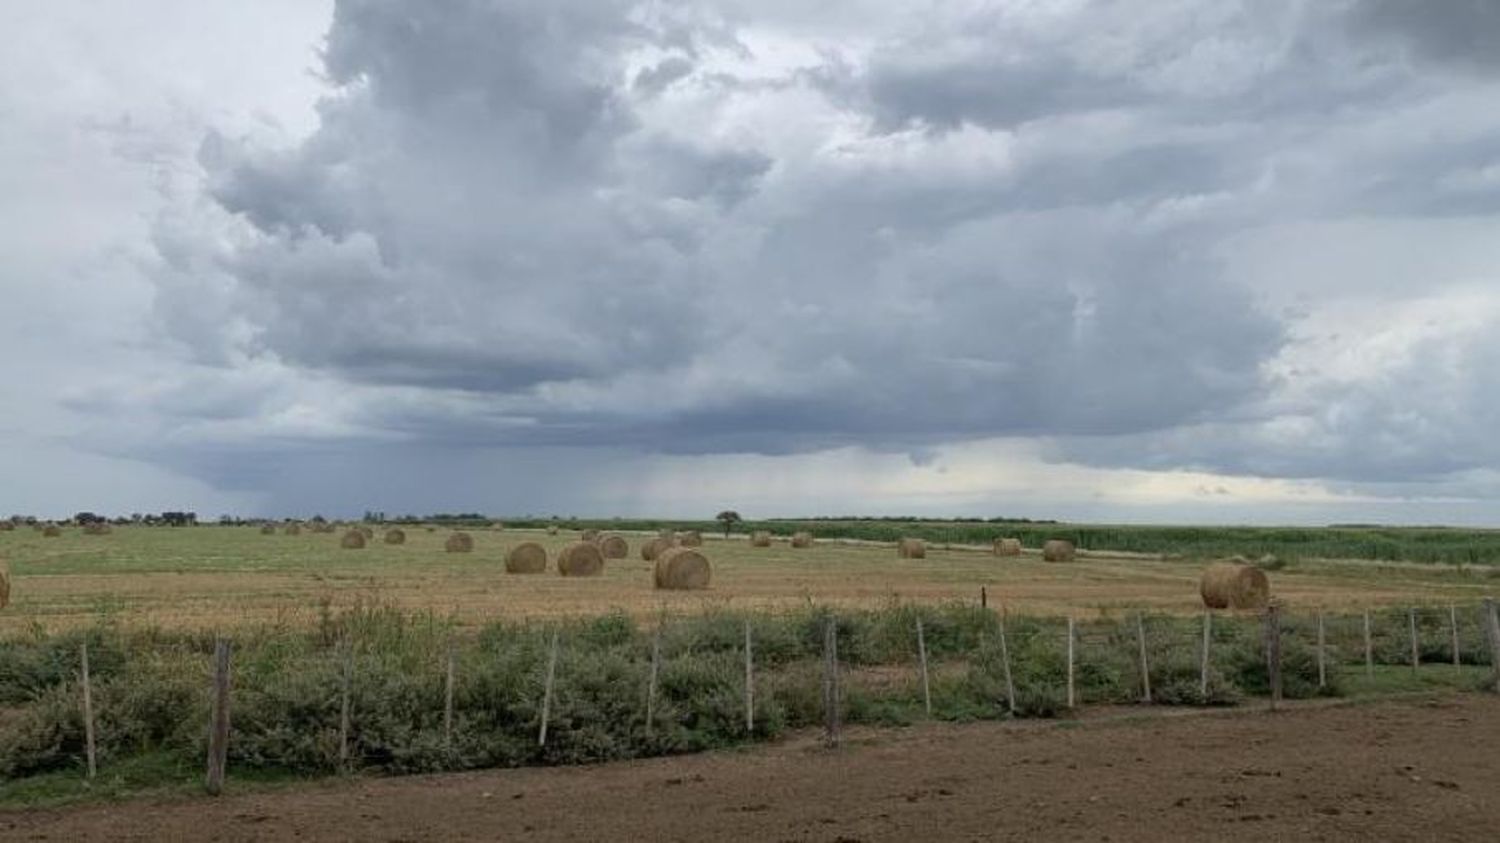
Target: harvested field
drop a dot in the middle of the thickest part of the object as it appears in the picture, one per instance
(198, 577)
(1396, 770)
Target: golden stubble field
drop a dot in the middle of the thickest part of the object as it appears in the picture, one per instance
(221, 577)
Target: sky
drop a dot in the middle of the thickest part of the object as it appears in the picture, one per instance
(1207, 261)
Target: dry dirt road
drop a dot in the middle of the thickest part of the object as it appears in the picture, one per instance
(1409, 770)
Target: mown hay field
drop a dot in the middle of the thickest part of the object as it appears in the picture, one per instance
(217, 577)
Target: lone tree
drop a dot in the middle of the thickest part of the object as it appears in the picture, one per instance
(728, 518)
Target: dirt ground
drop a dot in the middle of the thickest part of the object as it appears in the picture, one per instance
(1396, 770)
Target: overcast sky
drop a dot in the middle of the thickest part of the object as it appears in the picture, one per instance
(1160, 260)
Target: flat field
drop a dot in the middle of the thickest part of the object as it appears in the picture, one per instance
(216, 577)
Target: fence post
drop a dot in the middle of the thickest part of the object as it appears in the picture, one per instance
(88, 711)
(1140, 633)
(651, 682)
(1492, 628)
(541, 735)
(749, 684)
(1010, 685)
(1453, 625)
(1273, 652)
(922, 657)
(984, 598)
(1369, 649)
(1416, 656)
(1208, 622)
(344, 704)
(218, 733)
(1072, 637)
(448, 699)
(1322, 658)
(831, 683)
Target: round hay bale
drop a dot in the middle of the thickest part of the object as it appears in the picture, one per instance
(96, 528)
(681, 568)
(580, 559)
(760, 538)
(395, 535)
(1007, 547)
(460, 542)
(614, 547)
(4, 586)
(369, 533)
(1234, 585)
(292, 530)
(552, 529)
(526, 558)
(652, 548)
(353, 540)
(690, 538)
(911, 549)
(802, 539)
(51, 531)
(590, 535)
(268, 529)
(1058, 550)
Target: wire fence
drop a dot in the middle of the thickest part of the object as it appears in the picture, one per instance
(381, 690)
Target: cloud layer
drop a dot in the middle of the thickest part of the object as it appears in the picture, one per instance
(1138, 236)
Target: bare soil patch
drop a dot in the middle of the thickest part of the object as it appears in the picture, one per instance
(1396, 770)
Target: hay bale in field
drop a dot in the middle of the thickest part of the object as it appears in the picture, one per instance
(526, 558)
(292, 530)
(268, 529)
(1232, 584)
(353, 540)
(652, 548)
(681, 568)
(6, 526)
(1058, 550)
(369, 533)
(51, 531)
(460, 542)
(580, 559)
(690, 538)
(614, 546)
(96, 528)
(395, 535)
(911, 549)
(590, 536)
(551, 529)
(667, 534)
(1007, 547)
(760, 538)
(802, 539)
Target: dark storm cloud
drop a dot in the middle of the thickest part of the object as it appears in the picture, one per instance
(1457, 32)
(577, 225)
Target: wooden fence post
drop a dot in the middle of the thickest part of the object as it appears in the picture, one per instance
(218, 733)
(1416, 655)
(1322, 658)
(831, 736)
(1492, 629)
(1453, 625)
(984, 598)
(1369, 649)
(88, 711)
(1010, 685)
(1140, 633)
(541, 735)
(651, 682)
(1273, 652)
(749, 684)
(448, 699)
(922, 657)
(1072, 637)
(1208, 622)
(345, 703)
